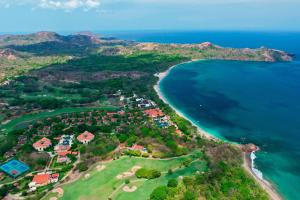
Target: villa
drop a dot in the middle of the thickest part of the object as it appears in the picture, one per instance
(137, 147)
(42, 144)
(144, 103)
(154, 113)
(85, 137)
(42, 180)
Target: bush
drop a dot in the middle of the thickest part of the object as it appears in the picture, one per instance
(147, 173)
(188, 181)
(160, 193)
(145, 155)
(133, 153)
(82, 167)
(127, 181)
(188, 195)
(172, 183)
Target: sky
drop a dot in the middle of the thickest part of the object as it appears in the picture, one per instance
(108, 15)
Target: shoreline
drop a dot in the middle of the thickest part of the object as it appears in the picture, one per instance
(161, 76)
(247, 164)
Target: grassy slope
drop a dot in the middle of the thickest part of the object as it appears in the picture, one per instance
(100, 184)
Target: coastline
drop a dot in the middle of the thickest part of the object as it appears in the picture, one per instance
(247, 164)
(161, 76)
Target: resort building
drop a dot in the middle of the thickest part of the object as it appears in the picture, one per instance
(85, 137)
(154, 113)
(137, 147)
(64, 143)
(42, 180)
(144, 103)
(62, 156)
(42, 144)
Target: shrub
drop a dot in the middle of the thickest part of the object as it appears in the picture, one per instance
(145, 155)
(147, 173)
(133, 153)
(188, 195)
(82, 167)
(172, 182)
(188, 181)
(160, 193)
(127, 181)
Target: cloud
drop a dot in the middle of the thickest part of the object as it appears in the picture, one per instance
(95, 4)
(54, 4)
(69, 4)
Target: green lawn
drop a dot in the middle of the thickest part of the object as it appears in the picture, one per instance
(104, 184)
(31, 117)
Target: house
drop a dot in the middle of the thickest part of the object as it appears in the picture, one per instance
(59, 148)
(62, 159)
(42, 144)
(85, 137)
(65, 143)
(42, 180)
(154, 113)
(179, 132)
(137, 147)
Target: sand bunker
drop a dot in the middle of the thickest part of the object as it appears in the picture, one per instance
(59, 191)
(135, 168)
(53, 198)
(86, 176)
(100, 167)
(129, 189)
(129, 173)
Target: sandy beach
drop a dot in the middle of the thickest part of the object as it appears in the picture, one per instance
(161, 76)
(247, 161)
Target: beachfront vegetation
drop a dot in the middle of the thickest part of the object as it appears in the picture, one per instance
(225, 179)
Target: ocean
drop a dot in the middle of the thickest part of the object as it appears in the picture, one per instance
(245, 102)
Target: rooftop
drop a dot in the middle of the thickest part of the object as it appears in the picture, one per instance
(41, 179)
(86, 136)
(42, 143)
(156, 112)
(137, 147)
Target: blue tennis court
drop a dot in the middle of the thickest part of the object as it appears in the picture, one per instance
(14, 168)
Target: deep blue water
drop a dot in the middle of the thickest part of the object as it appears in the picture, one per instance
(242, 101)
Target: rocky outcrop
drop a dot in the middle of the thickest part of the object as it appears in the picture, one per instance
(8, 54)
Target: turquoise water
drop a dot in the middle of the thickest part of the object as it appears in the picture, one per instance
(242, 101)
(246, 102)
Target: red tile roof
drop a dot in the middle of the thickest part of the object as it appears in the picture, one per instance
(86, 136)
(137, 147)
(156, 112)
(42, 143)
(55, 176)
(62, 148)
(41, 179)
(63, 153)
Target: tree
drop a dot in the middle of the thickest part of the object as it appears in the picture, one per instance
(82, 167)
(172, 182)
(147, 173)
(188, 195)
(160, 193)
